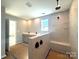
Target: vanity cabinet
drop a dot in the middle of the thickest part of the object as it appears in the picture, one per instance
(41, 51)
(25, 39)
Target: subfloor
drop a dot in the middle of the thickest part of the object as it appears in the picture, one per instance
(57, 55)
(20, 51)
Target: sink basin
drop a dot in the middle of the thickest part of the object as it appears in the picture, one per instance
(29, 34)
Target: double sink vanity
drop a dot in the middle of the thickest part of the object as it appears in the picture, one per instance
(38, 45)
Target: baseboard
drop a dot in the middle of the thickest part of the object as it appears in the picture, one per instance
(3, 56)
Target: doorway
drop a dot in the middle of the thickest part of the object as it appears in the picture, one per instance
(12, 33)
(10, 27)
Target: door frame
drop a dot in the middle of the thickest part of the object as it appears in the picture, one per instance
(7, 48)
(7, 36)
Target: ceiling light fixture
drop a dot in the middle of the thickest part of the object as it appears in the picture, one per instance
(58, 6)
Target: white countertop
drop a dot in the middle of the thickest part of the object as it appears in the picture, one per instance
(38, 35)
(34, 35)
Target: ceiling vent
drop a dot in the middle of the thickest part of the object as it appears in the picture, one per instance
(29, 4)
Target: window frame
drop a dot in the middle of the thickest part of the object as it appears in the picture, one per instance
(43, 25)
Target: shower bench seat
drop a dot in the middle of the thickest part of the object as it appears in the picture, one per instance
(60, 47)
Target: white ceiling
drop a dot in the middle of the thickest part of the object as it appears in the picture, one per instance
(20, 9)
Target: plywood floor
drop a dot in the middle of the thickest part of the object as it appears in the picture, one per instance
(20, 51)
(57, 55)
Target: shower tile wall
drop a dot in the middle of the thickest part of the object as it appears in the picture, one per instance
(60, 27)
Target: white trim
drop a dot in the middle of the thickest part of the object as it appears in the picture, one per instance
(3, 56)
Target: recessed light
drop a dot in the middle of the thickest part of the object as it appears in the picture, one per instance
(43, 13)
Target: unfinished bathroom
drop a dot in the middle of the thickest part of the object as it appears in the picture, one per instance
(39, 29)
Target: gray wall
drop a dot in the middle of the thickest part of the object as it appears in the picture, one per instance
(74, 27)
(2, 32)
(59, 29)
(20, 26)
